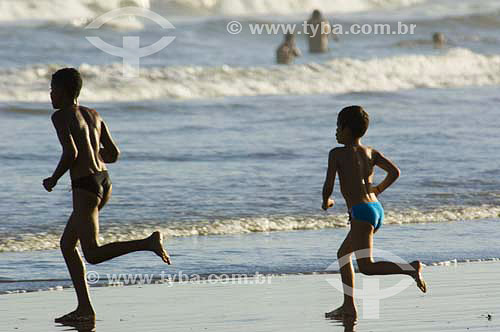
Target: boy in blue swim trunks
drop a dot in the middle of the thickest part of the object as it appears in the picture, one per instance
(355, 165)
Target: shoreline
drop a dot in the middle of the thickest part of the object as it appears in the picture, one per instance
(206, 277)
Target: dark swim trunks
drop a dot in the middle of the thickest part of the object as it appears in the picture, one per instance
(98, 183)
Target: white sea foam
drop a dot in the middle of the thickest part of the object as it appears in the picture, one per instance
(369, 9)
(456, 68)
(50, 239)
(283, 7)
(77, 12)
(455, 262)
(80, 12)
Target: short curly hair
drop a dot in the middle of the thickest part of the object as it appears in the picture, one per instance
(68, 79)
(356, 119)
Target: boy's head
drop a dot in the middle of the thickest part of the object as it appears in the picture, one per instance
(65, 87)
(316, 14)
(352, 123)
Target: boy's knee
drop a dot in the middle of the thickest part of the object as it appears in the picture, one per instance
(90, 257)
(342, 253)
(366, 268)
(66, 248)
(92, 260)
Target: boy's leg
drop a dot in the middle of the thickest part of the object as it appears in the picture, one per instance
(347, 273)
(86, 213)
(344, 255)
(76, 269)
(362, 243)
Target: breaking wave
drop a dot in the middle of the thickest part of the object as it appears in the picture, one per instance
(457, 68)
(118, 232)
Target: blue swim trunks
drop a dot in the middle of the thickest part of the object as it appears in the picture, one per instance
(369, 212)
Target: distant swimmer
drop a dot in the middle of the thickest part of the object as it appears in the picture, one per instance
(318, 30)
(438, 41)
(288, 51)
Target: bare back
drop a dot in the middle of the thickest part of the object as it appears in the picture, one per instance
(318, 42)
(355, 166)
(85, 127)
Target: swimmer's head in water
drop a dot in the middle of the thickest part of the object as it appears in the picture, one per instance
(352, 123)
(439, 38)
(316, 14)
(290, 37)
(65, 87)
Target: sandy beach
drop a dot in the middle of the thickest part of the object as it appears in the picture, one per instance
(460, 299)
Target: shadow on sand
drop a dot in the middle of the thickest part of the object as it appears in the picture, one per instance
(348, 323)
(77, 326)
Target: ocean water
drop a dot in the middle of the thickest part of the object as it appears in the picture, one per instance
(226, 153)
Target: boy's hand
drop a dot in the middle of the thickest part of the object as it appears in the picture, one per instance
(327, 205)
(49, 183)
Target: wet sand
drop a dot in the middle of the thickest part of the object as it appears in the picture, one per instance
(460, 298)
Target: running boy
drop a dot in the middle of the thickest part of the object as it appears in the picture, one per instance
(355, 165)
(86, 147)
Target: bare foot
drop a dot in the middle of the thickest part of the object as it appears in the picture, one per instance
(157, 247)
(342, 314)
(79, 326)
(335, 314)
(77, 316)
(417, 265)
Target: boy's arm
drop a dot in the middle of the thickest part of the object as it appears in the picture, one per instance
(109, 151)
(297, 52)
(69, 153)
(393, 172)
(329, 181)
(335, 37)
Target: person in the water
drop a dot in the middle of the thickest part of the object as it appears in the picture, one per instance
(86, 148)
(438, 40)
(288, 51)
(355, 165)
(319, 31)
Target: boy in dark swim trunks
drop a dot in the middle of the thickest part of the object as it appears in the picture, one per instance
(355, 165)
(86, 147)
